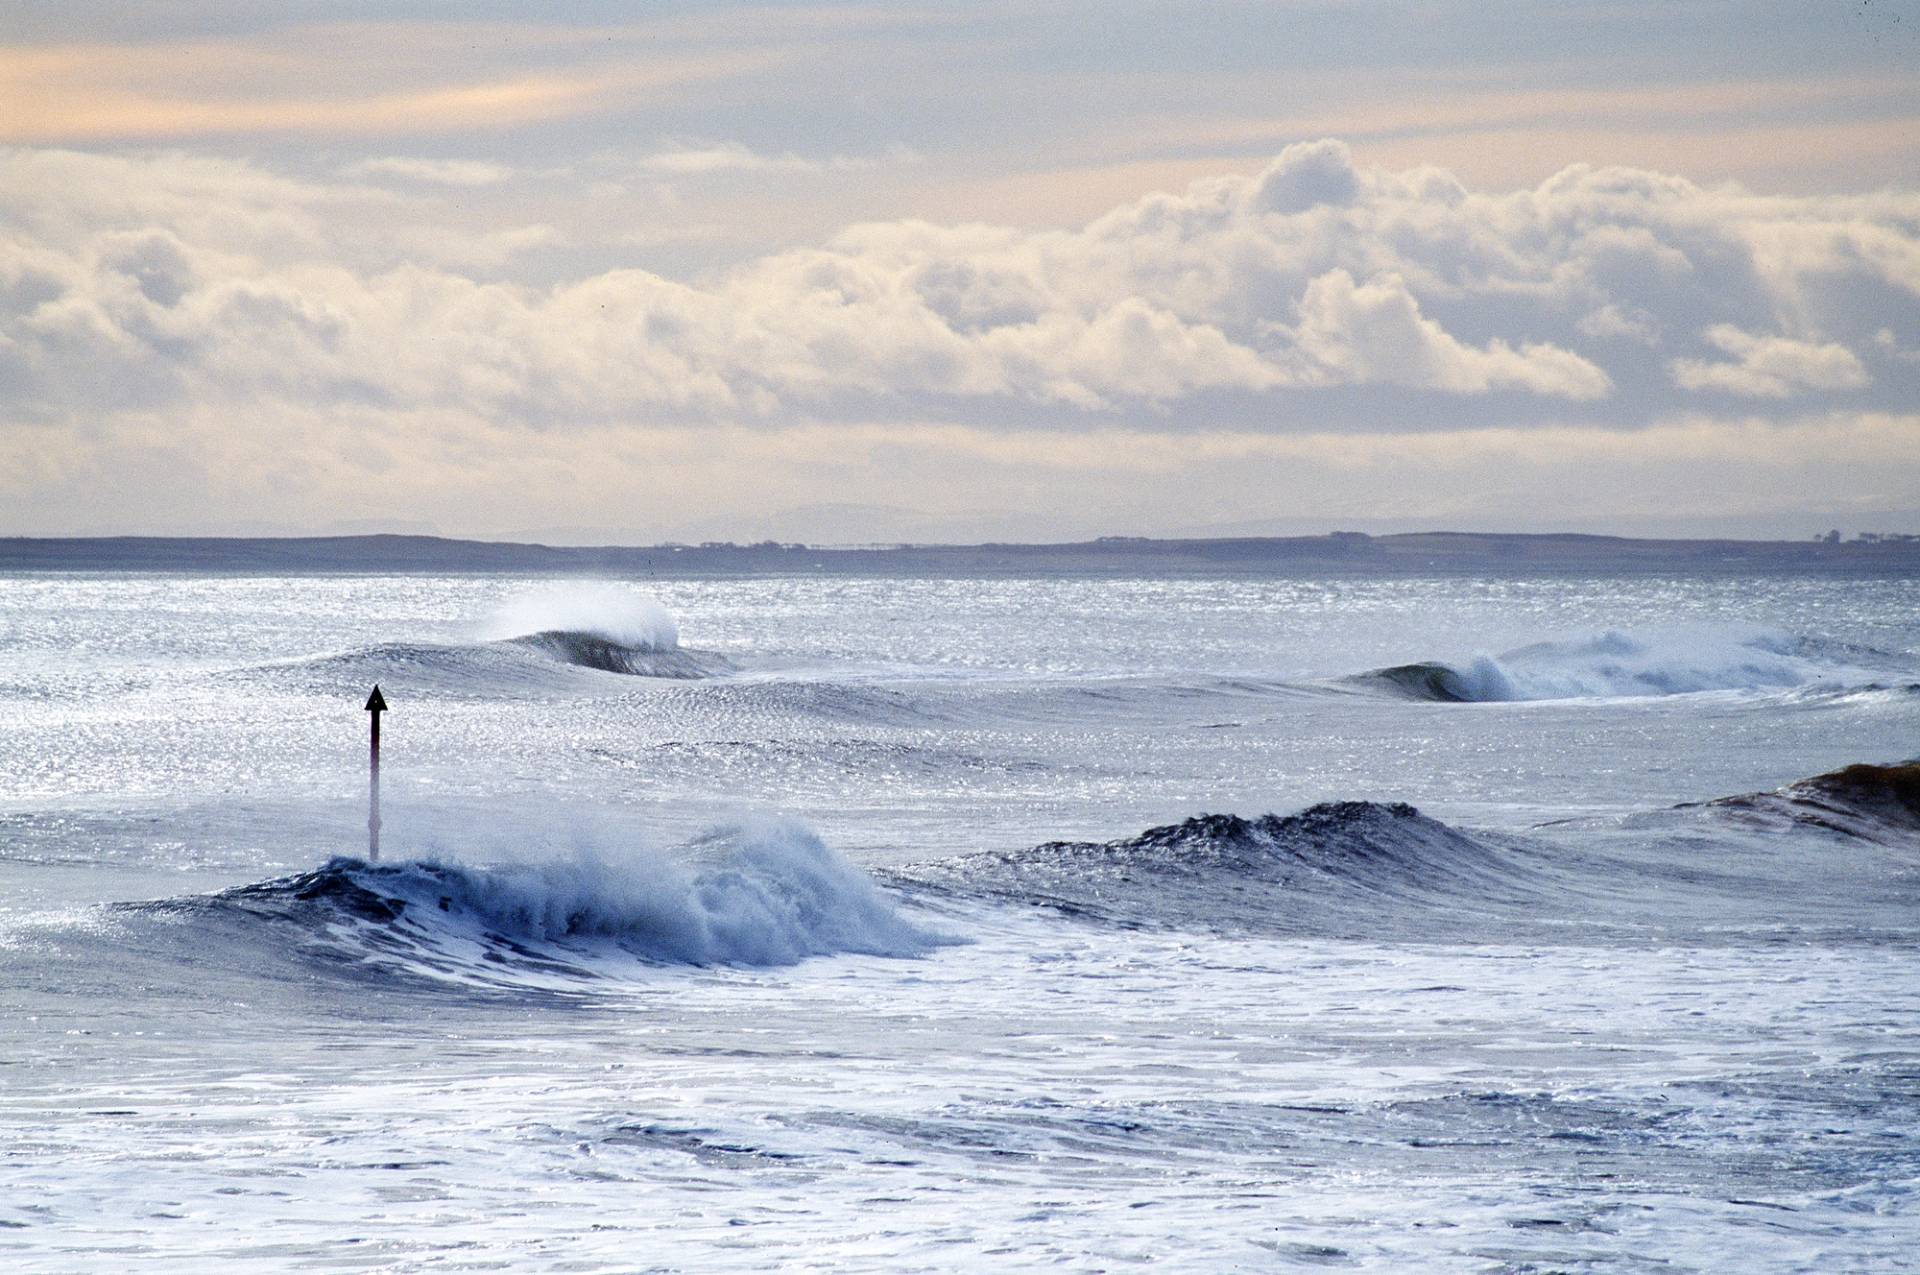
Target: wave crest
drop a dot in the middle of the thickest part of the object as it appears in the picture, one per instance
(1481, 682)
(1613, 665)
(538, 665)
(766, 894)
(606, 627)
(612, 613)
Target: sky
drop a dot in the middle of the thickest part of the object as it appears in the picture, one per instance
(872, 272)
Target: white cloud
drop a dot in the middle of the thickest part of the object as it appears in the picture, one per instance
(443, 172)
(722, 157)
(1611, 321)
(703, 160)
(162, 280)
(1769, 366)
(1374, 332)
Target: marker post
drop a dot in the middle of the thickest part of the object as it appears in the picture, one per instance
(376, 705)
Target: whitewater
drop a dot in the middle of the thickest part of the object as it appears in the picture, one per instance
(1478, 924)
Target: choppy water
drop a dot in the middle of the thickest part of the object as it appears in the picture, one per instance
(943, 924)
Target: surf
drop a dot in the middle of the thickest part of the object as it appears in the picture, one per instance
(764, 893)
(1618, 665)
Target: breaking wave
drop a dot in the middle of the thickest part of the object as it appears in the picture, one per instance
(1615, 665)
(1481, 682)
(616, 615)
(762, 895)
(604, 627)
(551, 642)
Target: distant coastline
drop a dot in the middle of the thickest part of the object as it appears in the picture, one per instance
(1340, 553)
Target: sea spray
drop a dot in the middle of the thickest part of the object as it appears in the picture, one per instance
(1616, 665)
(601, 626)
(766, 891)
(612, 612)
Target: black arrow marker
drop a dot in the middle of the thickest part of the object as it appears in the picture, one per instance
(376, 705)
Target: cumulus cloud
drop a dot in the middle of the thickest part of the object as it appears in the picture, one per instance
(158, 281)
(1769, 366)
(1372, 332)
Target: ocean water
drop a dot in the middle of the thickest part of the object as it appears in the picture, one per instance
(926, 925)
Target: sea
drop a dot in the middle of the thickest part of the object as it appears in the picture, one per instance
(1471, 923)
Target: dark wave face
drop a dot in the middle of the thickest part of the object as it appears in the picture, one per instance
(1386, 872)
(596, 651)
(1352, 868)
(1866, 802)
(1430, 680)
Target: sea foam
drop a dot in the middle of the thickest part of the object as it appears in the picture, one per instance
(766, 892)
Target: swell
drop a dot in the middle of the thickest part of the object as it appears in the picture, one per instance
(1865, 802)
(539, 664)
(1351, 868)
(1761, 867)
(553, 640)
(1833, 858)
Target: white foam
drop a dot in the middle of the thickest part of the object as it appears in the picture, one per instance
(1485, 680)
(1677, 661)
(774, 894)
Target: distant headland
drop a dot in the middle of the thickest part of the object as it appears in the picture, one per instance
(1339, 553)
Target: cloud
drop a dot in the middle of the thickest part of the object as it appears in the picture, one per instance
(443, 172)
(1890, 344)
(722, 157)
(1376, 333)
(1610, 320)
(710, 159)
(1772, 127)
(1316, 291)
(1769, 366)
(1308, 175)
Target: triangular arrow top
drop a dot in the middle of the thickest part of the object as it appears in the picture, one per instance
(376, 703)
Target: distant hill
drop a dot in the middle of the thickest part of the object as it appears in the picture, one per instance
(1342, 553)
